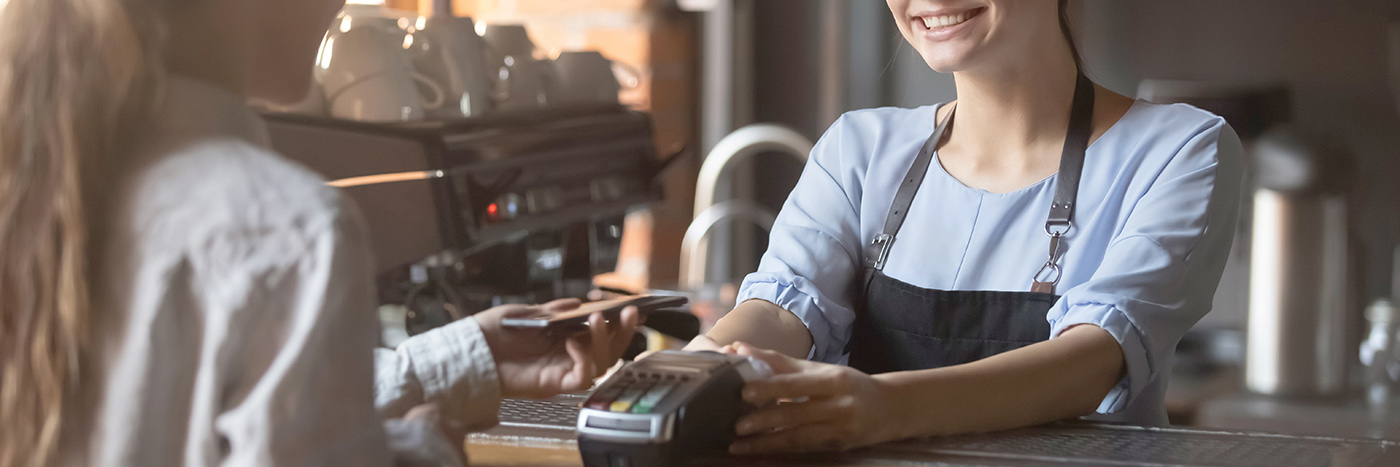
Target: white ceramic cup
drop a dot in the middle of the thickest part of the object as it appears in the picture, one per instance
(588, 77)
(367, 75)
(450, 52)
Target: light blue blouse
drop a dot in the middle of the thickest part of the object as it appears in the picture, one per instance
(1158, 203)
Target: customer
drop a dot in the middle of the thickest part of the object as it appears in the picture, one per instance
(172, 292)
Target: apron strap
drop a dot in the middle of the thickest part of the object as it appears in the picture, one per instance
(1060, 220)
(879, 249)
(1081, 117)
(1062, 206)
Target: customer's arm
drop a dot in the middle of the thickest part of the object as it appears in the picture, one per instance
(466, 367)
(451, 366)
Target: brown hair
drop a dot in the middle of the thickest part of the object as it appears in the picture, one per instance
(73, 75)
(1069, 35)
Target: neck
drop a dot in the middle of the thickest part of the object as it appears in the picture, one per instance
(204, 45)
(1019, 108)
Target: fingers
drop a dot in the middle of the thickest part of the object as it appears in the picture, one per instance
(780, 363)
(638, 320)
(513, 311)
(600, 341)
(622, 336)
(816, 383)
(823, 437)
(428, 412)
(561, 305)
(584, 369)
(787, 415)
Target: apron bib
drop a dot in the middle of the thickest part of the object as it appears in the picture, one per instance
(901, 327)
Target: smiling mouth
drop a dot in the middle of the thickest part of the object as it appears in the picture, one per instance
(934, 23)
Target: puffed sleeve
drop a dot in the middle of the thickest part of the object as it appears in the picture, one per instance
(1159, 273)
(813, 249)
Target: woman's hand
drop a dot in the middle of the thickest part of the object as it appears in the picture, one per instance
(702, 343)
(699, 344)
(535, 365)
(833, 407)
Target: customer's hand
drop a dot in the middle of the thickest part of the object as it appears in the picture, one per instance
(453, 431)
(535, 365)
(432, 414)
(820, 407)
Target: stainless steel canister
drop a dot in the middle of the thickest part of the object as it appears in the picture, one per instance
(1296, 344)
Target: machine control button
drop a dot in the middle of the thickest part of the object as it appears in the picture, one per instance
(628, 398)
(604, 397)
(652, 397)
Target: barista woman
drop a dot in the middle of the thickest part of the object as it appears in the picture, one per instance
(1030, 252)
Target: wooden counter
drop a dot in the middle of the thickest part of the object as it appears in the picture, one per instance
(1068, 443)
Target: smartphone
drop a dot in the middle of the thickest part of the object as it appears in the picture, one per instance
(571, 322)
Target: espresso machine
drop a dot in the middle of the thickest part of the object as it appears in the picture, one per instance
(465, 214)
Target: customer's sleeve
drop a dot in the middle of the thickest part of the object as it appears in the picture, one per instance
(451, 366)
(1159, 274)
(813, 251)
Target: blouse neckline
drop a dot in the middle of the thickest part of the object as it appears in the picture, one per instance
(1035, 186)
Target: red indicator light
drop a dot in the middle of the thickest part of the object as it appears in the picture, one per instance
(491, 209)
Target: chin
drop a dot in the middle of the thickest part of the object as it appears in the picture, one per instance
(946, 59)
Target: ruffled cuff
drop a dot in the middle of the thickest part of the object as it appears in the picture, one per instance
(796, 295)
(1135, 355)
(454, 366)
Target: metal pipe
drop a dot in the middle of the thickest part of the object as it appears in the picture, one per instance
(692, 273)
(737, 147)
(741, 145)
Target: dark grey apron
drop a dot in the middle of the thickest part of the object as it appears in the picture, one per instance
(901, 327)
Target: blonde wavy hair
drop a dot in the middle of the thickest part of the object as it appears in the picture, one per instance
(74, 75)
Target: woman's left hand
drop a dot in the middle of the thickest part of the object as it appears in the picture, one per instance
(835, 407)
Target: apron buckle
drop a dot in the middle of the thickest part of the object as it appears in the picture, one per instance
(881, 244)
(1049, 284)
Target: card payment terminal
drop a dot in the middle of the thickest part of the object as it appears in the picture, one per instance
(666, 410)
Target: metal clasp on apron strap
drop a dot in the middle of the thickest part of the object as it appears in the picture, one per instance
(1051, 270)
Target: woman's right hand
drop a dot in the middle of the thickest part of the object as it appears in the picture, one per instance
(702, 343)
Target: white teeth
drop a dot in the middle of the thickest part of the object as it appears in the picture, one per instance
(944, 21)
